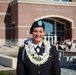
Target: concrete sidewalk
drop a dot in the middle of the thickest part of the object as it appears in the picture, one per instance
(9, 51)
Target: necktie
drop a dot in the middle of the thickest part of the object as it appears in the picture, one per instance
(37, 49)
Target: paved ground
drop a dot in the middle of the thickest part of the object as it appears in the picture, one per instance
(9, 51)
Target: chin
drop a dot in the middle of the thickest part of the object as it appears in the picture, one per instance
(38, 40)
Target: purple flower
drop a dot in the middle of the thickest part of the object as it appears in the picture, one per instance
(26, 41)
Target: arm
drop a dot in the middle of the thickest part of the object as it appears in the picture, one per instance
(20, 65)
(55, 63)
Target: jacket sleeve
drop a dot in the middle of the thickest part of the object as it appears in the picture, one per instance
(55, 64)
(20, 65)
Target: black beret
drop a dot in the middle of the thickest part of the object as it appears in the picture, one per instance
(38, 23)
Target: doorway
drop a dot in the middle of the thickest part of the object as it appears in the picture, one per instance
(54, 31)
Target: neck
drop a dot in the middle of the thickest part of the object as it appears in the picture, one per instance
(37, 42)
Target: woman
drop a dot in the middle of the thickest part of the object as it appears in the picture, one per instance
(69, 44)
(39, 57)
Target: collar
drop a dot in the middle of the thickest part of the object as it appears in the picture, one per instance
(36, 45)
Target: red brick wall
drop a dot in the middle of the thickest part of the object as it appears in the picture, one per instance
(27, 13)
(4, 18)
(14, 14)
(74, 33)
(73, 0)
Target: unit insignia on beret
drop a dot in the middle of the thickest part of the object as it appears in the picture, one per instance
(40, 23)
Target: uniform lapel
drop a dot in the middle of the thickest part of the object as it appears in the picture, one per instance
(42, 49)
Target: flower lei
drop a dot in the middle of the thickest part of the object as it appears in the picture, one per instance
(34, 57)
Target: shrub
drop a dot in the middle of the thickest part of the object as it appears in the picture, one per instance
(6, 73)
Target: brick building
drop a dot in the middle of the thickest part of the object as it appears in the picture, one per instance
(16, 17)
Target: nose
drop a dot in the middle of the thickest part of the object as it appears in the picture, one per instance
(38, 33)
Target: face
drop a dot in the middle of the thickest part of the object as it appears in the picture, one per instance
(38, 34)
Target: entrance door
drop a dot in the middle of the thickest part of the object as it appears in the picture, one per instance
(60, 32)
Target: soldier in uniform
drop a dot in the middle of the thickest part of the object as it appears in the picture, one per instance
(39, 57)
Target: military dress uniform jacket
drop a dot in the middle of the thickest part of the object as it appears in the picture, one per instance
(50, 67)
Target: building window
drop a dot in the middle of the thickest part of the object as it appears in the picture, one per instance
(66, 0)
(60, 0)
(54, 31)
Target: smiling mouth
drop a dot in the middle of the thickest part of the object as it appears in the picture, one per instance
(37, 37)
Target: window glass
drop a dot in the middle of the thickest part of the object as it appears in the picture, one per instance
(65, 0)
(61, 0)
(56, 0)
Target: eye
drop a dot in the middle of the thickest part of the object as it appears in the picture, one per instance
(40, 31)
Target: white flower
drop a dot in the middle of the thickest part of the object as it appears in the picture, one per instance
(34, 57)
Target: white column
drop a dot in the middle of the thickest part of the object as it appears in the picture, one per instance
(55, 36)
